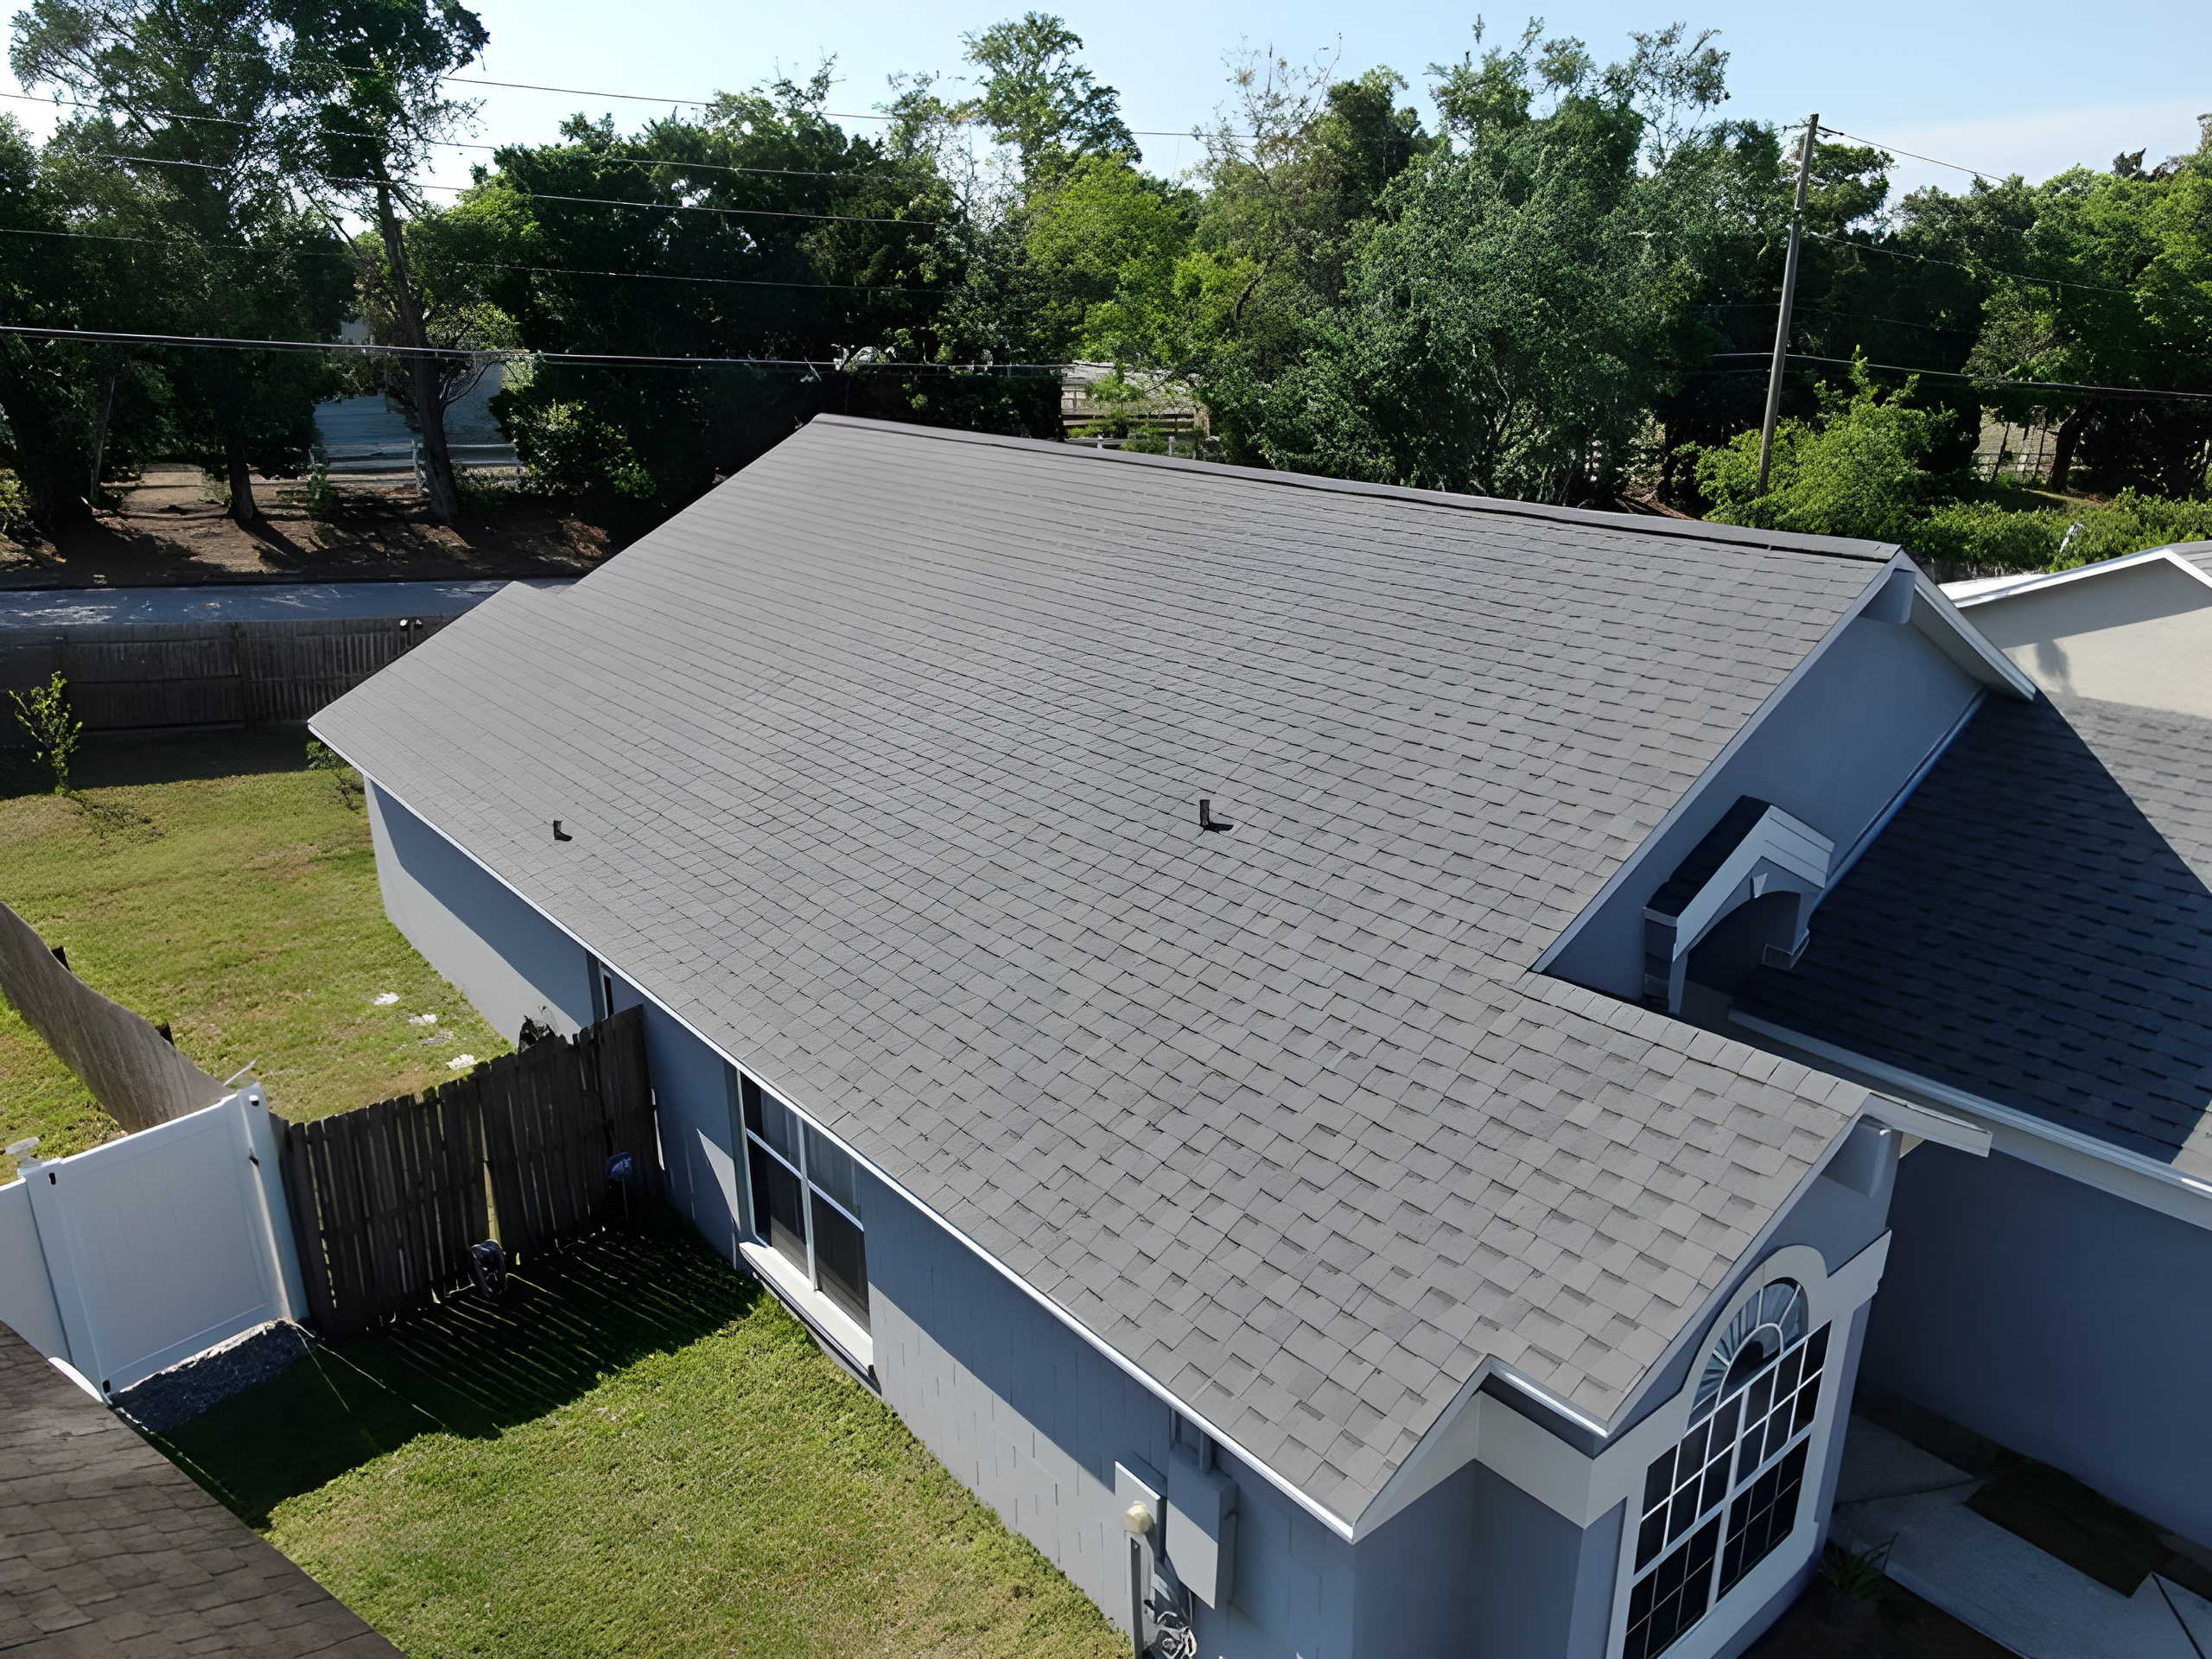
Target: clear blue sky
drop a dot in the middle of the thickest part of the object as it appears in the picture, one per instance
(2031, 86)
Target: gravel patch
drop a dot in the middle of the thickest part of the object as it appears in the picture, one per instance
(172, 1398)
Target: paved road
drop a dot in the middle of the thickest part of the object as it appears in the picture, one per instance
(68, 607)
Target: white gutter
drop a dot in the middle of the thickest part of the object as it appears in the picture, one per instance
(1282, 1483)
(2021, 1135)
(2040, 581)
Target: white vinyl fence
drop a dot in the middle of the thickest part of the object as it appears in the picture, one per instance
(142, 1252)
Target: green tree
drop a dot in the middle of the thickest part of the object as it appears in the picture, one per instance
(178, 156)
(1040, 100)
(1506, 320)
(1861, 467)
(773, 234)
(365, 99)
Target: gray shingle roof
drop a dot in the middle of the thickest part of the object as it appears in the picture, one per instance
(2035, 927)
(882, 762)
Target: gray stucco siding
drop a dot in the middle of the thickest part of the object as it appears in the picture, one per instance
(508, 960)
(2062, 1321)
(1032, 1419)
(1833, 752)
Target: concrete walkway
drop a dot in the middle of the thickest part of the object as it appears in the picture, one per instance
(107, 1548)
(1900, 1507)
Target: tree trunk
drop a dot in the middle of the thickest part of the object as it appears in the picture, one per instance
(243, 508)
(99, 432)
(2062, 447)
(430, 407)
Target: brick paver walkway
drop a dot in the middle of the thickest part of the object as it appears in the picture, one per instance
(107, 1548)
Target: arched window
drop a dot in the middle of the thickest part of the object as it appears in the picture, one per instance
(1719, 1500)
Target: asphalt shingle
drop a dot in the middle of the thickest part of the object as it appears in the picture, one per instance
(2035, 926)
(883, 762)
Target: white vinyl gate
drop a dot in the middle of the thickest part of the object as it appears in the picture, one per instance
(143, 1251)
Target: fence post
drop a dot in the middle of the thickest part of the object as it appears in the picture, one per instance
(243, 648)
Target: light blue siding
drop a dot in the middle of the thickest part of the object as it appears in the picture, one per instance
(508, 959)
(2062, 1321)
(1834, 753)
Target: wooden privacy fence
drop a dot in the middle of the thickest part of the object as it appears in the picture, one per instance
(143, 677)
(139, 1075)
(387, 1200)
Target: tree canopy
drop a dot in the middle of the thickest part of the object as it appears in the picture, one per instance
(1560, 284)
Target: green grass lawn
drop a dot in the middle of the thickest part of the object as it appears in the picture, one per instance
(632, 1452)
(218, 884)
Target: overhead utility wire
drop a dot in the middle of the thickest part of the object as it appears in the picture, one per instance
(481, 265)
(452, 144)
(1979, 271)
(617, 359)
(1933, 161)
(544, 195)
(1989, 380)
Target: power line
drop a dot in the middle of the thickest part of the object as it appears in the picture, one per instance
(451, 143)
(543, 195)
(1978, 173)
(1989, 380)
(1978, 270)
(480, 264)
(608, 359)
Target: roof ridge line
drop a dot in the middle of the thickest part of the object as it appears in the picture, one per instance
(1857, 551)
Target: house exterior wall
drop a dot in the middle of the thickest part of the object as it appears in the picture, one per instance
(508, 959)
(2139, 636)
(1833, 753)
(1034, 1418)
(2062, 1321)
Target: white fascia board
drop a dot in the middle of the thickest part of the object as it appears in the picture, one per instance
(1632, 868)
(1939, 1127)
(1941, 622)
(2021, 1134)
(1479, 1427)
(2044, 581)
(1320, 1512)
(1777, 839)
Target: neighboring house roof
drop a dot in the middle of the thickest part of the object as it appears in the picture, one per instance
(2194, 558)
(2035, 927)
(882, 763)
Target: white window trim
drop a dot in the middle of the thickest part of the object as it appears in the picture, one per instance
(1725, 1616)
(812, 1306)
(796, 1286)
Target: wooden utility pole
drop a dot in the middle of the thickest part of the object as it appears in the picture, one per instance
(1789, 297)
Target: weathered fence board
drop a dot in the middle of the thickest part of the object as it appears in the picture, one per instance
(386, 1200)
(145, 676)
(138, 1076)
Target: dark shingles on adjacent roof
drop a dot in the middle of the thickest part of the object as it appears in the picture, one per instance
(108, 1547)
(883, 763)
(2035, 927)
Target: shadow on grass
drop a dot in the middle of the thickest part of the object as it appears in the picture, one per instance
(106, 762)
(465, 1367)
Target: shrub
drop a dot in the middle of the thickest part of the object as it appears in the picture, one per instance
(568, 450)
(14, 508)
(1993, 537)
(43, 711)
(1857, 469)
(320, 496)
